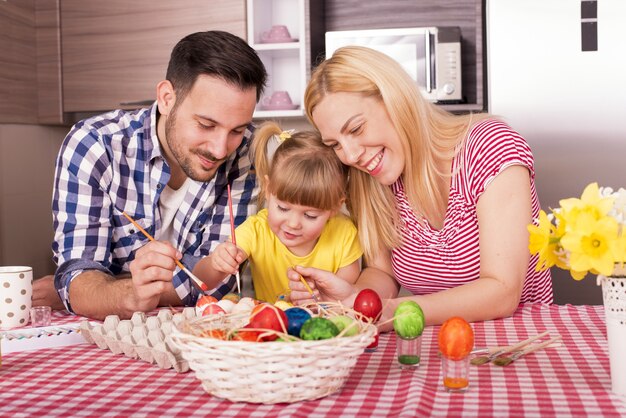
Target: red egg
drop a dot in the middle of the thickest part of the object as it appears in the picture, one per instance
(213, 308)
(368, 304)
(266, 316)
(244, 334)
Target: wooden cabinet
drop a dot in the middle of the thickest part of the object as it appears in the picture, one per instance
(18, 74)
(114, 52)
(287, 57)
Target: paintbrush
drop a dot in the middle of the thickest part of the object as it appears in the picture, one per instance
(197, 282)
(232, 234)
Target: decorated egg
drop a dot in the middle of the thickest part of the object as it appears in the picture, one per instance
(368, 304)
(408, 319)
(226, 304)
(283, 304)
(296, 317)
(245, 305)
(203, 302)
(213, 309)
(318, 328)
(233, 297)
(456, 338)
(266, 316)
(342, 322)
(245, 334)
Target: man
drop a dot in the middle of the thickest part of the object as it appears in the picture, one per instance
(167, 167)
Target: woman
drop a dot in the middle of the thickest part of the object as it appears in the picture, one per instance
(441, 201)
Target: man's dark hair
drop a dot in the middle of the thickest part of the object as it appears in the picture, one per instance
(215, 53)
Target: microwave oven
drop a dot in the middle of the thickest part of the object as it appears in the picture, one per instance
(431, 55)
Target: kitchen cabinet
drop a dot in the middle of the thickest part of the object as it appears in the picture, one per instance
(18, 74)
(115, 52)
(287, 56)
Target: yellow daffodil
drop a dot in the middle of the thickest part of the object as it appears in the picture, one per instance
(592, 243)
(586, 235)
(591, 200)
(540, 242)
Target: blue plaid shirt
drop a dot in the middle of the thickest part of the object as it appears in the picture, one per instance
(112, 163)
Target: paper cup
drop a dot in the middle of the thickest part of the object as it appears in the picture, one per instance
(16, 291)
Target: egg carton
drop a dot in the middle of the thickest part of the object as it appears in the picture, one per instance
(141, 337)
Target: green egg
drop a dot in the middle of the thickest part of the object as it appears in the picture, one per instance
(409, 319)
(342, 322)
(318, 329)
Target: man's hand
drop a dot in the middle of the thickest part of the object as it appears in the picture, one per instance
(152, 271)
(44, 293)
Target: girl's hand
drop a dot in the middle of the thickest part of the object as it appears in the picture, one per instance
(326, 285)
(226, 258)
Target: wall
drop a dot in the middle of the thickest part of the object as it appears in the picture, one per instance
(27, 155)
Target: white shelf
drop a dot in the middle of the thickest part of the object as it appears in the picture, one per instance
(287, 63)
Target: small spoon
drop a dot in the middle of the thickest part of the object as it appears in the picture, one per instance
(498, 351)
(505, 361)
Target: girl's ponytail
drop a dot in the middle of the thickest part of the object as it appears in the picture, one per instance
(260, 154)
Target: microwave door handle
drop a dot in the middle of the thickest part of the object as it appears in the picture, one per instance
(428, 60)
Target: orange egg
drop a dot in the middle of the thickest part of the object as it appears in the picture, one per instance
(456, 338)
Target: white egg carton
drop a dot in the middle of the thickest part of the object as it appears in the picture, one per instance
(141, 337)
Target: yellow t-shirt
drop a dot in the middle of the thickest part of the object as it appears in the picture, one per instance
(338, 246)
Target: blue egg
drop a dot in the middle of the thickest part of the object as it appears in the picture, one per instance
(296, 317)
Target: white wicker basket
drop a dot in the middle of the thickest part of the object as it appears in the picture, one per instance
(268, 372)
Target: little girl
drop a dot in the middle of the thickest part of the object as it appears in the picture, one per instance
(303, 188)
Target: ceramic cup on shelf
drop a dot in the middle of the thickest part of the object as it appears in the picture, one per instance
(16, 291)
(278, 33)
(279, 100)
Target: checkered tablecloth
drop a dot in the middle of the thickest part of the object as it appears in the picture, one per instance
(571, 380)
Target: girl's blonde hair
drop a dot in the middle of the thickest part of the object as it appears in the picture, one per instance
(302, 170)
(429, 136)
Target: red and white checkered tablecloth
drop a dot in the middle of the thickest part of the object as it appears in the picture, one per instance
(571, 380)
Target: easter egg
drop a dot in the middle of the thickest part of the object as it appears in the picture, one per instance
(233, 297)
(409, 319)
(283, 304)
(245, 305)
(213, 309)
(266, 316)
(368, 304)
(245, 334)
(342, 322)
(296, 317)
(226, 304)
(203, 302)
(318, 328)
(456, 338)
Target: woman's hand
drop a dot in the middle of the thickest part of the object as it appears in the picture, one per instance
(326, 285)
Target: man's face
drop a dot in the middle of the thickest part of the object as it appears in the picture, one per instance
(203, 129)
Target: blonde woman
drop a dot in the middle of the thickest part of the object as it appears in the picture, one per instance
(304, 186)
(441, 201)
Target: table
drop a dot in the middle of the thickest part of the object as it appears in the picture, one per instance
(572, 380)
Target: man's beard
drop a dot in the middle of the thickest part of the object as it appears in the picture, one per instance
(185, 161)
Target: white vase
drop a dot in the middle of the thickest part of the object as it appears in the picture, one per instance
(614, 296)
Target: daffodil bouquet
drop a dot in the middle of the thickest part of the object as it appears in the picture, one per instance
(582, 235)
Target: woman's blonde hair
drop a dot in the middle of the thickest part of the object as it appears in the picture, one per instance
(428, 133)
(301, 171)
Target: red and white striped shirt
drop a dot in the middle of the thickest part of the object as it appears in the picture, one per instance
(431, 260)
